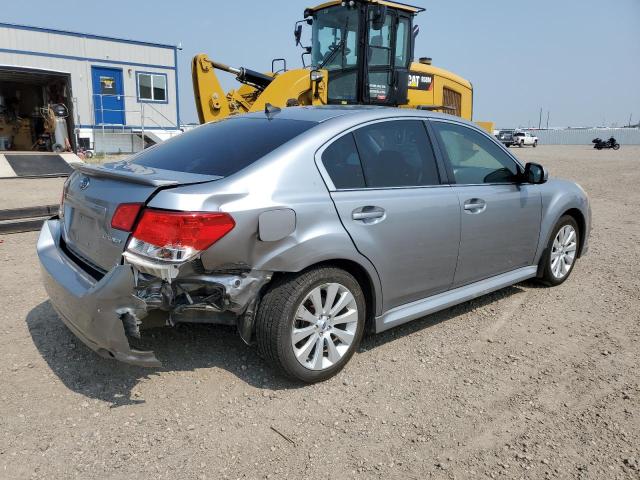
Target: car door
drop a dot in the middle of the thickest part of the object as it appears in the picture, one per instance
(385, 183)
(500, 216)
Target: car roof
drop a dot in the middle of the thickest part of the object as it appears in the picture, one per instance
(321, 114)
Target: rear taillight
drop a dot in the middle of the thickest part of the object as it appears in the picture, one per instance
(177, 236)
(125, 216)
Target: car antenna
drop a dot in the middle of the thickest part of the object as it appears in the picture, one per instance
(270, 110)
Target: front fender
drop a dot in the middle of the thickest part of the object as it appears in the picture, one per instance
(558, 197)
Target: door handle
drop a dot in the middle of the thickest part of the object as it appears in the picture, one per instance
(475, 205)
(368, 214)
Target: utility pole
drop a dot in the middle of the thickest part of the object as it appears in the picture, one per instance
(548, 119)
(540, 119)
(630, 116)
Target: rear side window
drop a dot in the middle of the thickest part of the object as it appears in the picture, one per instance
(397, 153)
(342, 163)
(222, 148)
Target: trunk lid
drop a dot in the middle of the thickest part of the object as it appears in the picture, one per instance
(92, 195)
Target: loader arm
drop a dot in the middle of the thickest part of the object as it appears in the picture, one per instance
(211, 99)
(289, 88)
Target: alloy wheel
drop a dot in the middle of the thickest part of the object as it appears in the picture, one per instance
(563, 251)
(325, 326)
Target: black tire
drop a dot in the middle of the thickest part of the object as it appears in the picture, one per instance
(520, 144)
(276, 315)
(616, 146)
(535, 144)
(599, 147)
(546, 275)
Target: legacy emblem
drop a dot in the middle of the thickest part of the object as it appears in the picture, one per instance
(114, 240)
(84, 183)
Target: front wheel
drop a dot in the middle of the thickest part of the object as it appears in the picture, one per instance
(309, 324)
(560, 255)
(535, 144)
(616, 146)
(520, 144)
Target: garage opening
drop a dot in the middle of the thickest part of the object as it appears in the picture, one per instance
(36, 111)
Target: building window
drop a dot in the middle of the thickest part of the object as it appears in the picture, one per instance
(152, 87)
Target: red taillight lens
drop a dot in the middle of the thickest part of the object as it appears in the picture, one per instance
(125, 216)
(192, 230)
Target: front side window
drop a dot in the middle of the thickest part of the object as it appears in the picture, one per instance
(473, 157)
(396, 153)
(152, 87)
(222, 148)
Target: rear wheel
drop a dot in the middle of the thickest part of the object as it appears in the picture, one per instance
(310, 324)
(560, 255)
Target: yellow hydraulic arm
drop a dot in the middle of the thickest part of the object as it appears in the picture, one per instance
(289, 88)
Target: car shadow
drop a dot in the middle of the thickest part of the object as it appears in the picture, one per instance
(186, 347)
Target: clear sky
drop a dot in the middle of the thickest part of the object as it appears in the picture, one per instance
(578, 59)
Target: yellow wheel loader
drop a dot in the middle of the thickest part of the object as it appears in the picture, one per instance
(361, 53)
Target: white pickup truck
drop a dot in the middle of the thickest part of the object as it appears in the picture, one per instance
(524, 138)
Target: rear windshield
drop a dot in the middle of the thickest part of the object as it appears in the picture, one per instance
(222, 148)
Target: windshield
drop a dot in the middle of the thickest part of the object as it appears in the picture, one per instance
(222, 148)
(335, 33)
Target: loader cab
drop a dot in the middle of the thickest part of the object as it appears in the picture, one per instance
(366, 47)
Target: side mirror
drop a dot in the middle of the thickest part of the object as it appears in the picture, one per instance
(297, 33)
(535, 173)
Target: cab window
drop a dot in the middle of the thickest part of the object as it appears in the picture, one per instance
(402, 43)
(473, 157)
(380, 42)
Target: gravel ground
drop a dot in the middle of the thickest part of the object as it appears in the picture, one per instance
(524, 383)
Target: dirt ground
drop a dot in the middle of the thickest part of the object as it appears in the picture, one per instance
(528, 382)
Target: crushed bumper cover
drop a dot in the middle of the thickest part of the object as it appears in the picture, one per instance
(92, 310)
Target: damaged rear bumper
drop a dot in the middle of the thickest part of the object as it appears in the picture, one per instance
(93, 310)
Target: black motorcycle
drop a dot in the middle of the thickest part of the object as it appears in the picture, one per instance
(600, 144)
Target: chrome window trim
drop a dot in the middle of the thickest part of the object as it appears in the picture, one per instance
(327, 178)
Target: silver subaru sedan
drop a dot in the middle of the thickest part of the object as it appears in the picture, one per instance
(304, 228)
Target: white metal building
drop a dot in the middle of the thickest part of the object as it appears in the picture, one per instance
(116, 91)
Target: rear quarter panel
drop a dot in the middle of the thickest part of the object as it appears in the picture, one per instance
(286, 178)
